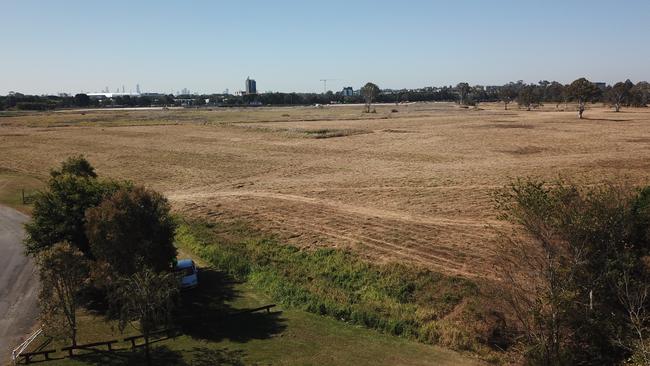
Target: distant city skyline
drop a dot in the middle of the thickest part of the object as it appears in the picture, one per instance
(207, 47)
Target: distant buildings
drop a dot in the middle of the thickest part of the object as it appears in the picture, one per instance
(251, 86)
(112, 95)
(348, 91)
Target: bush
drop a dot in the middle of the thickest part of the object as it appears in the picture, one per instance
(578, 279)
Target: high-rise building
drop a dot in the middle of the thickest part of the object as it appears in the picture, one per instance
(137, 88)
(251, 86)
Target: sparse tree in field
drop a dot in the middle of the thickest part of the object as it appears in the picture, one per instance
(463, 91)
(476, 95)
(132, 228)
(63, 272)
(529, 96)
(58, 213)
(556, 93)
(507, 94)
(619, 94)
(145, 300)
(582, 91)
(370, 92)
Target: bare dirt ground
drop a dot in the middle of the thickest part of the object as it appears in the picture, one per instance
(413, 185)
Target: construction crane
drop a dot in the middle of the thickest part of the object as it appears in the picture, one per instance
(325, 84)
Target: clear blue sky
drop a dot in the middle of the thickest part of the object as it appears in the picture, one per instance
(208, 46)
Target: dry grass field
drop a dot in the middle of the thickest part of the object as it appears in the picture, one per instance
(412, 185)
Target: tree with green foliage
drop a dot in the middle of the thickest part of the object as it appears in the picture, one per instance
(63, 273)
(507, 94)
(578, 274)
(529, 96)
(82, 100)
(582, 91)
(555, 92)
(59, 212)
(370, 92)
(77, 166)
(463, 90)
(619, 94)
(145, 300)
(132, 228)
(640, 94)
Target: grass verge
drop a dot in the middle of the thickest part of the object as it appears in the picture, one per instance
(12, 185)
(290, 337)
(396, 299)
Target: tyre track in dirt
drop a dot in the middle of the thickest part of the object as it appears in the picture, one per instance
(437, 243)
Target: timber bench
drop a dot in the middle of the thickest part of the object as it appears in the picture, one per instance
(261, 308)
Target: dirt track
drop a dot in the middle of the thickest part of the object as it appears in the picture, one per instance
(410, 186)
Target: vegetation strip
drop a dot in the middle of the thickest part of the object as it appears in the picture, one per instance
(394, 298)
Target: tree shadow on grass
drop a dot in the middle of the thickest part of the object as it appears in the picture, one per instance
(202, 356)
(204, 313)
(160, 356)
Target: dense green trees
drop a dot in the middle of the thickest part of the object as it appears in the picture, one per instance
(130, 229)
(59, 211)
(118, 223)
(116, 237)
(579, 273)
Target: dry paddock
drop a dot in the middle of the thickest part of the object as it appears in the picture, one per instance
(412, 185)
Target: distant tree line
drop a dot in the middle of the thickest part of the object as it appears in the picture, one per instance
(527, 96)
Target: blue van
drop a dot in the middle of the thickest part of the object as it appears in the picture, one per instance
(189, 275)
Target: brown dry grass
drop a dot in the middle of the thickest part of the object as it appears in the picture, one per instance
(410, 186)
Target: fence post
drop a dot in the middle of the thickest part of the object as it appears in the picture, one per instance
(23, 191)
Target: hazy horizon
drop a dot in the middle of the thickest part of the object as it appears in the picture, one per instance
(207, 47)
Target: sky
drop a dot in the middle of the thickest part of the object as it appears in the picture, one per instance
(209, 46)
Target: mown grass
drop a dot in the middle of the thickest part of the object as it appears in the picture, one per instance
(306, 339)
(393, 298)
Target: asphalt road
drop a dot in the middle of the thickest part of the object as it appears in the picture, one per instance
(18, 284)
